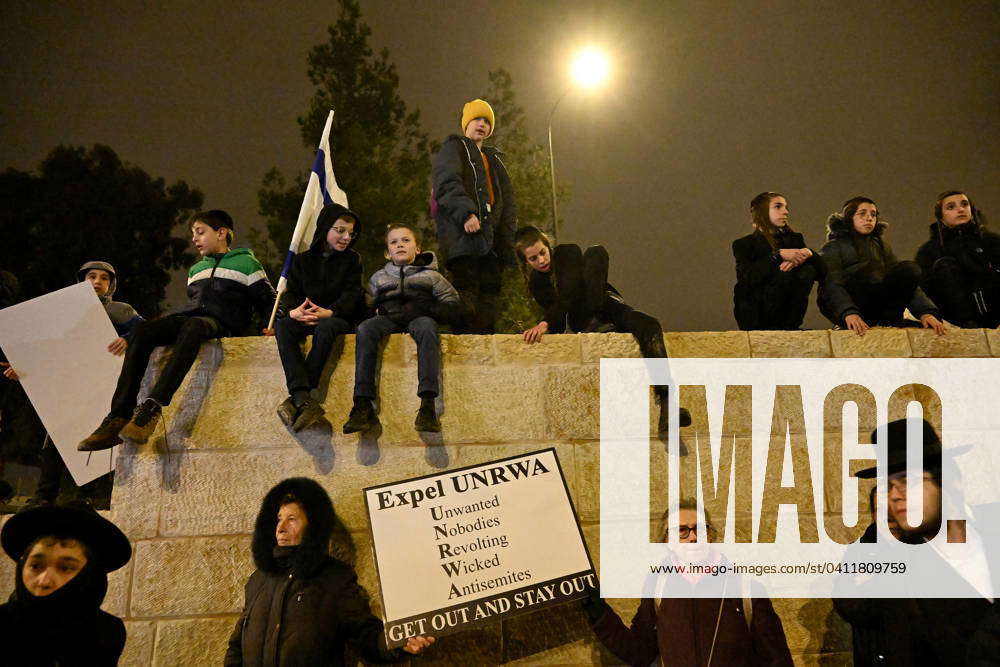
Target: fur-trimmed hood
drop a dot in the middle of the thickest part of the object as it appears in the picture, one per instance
(837, 227)
(315, 547)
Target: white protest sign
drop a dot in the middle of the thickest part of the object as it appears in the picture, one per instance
(58, 344)
(474, 544)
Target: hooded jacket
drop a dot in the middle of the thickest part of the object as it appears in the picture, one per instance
(122, 315)
(976, 252)
(461, 190)
(64, 629)
(329, 278)
(403, 293)
(302, 605)
(229, 287)
(852, 257)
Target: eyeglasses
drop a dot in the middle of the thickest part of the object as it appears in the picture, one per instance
(685, 531)
(344, 231)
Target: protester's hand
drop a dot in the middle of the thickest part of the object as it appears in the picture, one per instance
(535, 333)
(302, 314)
(856, 324)
(931, 322)
(789, 254)
(786, 266)
(416, 645)
(9, 372)
(318, 312)
(118, 346)
(267, 332)
(472, 225)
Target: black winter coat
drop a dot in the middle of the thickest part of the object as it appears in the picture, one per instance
(293, 621)
(543, 291)
(850, 256)
(460, 190)
(332, 281)
(976, 251)
(301, 611)
(96, 643)
(756, 264)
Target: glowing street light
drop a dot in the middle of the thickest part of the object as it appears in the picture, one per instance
(590, 68)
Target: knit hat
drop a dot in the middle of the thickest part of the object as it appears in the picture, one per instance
(478, 109)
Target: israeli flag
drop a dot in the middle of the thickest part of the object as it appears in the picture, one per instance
(321, 190)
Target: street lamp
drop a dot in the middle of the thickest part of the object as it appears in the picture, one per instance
(590, 68)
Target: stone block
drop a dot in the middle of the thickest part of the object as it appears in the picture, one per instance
(597, 346)
(140, 636)
(479, 646)
(877, 342)
(839, 659)
(192, 642)
(572, 402)
(790, 343)
(993, 338)
(116, 599)
(135, 498)
(220, 493)
(707, 344)
(190, 576)
(484, 401)
(466, 350)
(238, 413)
(956, 343)
(552, 349)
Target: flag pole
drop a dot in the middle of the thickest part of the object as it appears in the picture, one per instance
(313, 189)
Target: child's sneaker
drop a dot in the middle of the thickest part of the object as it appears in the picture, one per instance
(427, 419)
(143, 421)
(362, 417)
(311, 412)
(288, 412)
(105, 436)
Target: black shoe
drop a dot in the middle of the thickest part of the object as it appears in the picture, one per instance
(663, 425)
(362, 417)
(143, 421)
(310, 413)
(427, 419)
(105, 437)
(288, 412)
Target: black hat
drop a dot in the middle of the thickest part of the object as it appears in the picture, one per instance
(895, 460)
(105, 540)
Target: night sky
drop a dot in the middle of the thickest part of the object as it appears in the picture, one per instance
(708, 104)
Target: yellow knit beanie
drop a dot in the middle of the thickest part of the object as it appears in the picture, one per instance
(477, 109)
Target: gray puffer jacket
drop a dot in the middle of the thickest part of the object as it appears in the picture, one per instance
(403, 293)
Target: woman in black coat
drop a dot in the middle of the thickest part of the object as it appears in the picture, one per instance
(775, 270)
(865, 284)
(54, 616)
(302, 605)
(571, 285)
(961, 263)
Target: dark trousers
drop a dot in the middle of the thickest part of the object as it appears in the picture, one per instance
(784, 298)
(478, 281)
(186, 333)
(964, 299)
(882, 302)
(582, 278)
(53, 469)
(371, 332)
(303, 372)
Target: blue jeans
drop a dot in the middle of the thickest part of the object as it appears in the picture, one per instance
(371, 332)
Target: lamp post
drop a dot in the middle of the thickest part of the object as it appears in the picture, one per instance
(590, 68)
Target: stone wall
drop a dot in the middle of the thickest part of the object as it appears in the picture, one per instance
(188, 498)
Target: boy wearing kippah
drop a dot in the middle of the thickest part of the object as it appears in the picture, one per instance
(224, 288)
(476, 215)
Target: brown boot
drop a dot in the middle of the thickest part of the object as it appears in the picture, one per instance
(106, 435)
